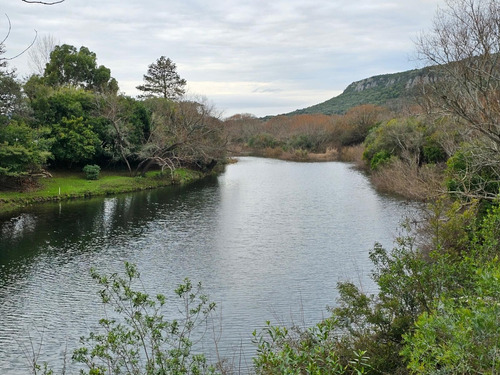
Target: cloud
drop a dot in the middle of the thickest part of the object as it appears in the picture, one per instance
(275, 56)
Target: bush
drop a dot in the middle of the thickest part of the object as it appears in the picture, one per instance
(302, 142)
(263, 140)
(474, 171)
(303, 351)
(379, 159)
(92, 172)
(461, 335)
(136, 338)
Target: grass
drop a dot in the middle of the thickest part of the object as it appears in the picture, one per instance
(66, 185)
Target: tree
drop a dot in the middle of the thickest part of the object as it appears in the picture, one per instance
(78, 68)
(23, 153)
(185, 133)
(128, 125)
(39, 54)
(75, 141)
(463, 48)
(10, 94)
(162, 80)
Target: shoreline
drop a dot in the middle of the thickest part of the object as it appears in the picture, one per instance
(71, 186)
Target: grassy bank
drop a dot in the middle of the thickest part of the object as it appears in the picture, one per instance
(72, 185)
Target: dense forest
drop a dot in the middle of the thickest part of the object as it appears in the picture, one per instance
(437, 308)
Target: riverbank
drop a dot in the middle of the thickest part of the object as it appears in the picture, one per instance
(352, 154)
(73, 185)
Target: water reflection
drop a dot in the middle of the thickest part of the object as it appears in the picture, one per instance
(268, 239)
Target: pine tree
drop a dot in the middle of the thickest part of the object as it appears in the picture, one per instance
(162, 80)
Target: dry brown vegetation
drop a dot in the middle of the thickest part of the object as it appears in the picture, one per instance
(314, 137)
(423, 183)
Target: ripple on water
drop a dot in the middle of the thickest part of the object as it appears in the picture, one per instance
(269, 240)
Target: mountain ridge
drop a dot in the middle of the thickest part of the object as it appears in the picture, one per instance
(390, 90)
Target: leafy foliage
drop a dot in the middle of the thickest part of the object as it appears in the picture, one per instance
(24, 151)
(263, 140)
(303, 351)
(91, 172)
(410, 139)
(461, 334)
(75, 140)
(78, 68)
(136, 337)
(474, 172)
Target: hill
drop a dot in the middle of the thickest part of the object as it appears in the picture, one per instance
(390, 90)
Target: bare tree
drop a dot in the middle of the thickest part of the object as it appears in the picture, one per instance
(463, 48)
(39, 54)
(3, 60)
(111, 108)
(186, 133)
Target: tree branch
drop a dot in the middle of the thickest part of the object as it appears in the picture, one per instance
(43, 2)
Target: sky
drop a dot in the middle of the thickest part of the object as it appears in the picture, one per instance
(243, 56)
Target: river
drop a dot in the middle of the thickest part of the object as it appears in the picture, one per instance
(268, 239)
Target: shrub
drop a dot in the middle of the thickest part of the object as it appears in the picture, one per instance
(263, 140)
(379, 159)
(433, 152)
(474, 172)
(302, 142)
(91, 172)
(461, 335)
(140, 340)
(303, 351)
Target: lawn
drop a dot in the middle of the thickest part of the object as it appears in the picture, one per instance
(70, 185)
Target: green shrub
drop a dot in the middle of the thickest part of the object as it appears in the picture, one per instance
(136, 338)
(302, 142)
(379, 158)
(303, 351)
(91, 172)
(461, 335)
(474, 171)
(263, 140)
(433, 152)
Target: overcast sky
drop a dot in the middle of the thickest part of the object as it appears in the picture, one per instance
(260, 57)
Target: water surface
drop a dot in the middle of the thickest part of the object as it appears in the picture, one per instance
(268, 239)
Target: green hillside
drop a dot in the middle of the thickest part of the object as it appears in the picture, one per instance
(386, 90)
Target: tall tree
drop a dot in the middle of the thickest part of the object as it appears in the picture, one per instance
(78, 68)
(162, 80)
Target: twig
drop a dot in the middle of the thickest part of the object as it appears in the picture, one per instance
(43, 2)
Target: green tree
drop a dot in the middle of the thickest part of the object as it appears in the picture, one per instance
(23, 153)
(162, 80)
(78, 68)
(11, 101)
(75, 141)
